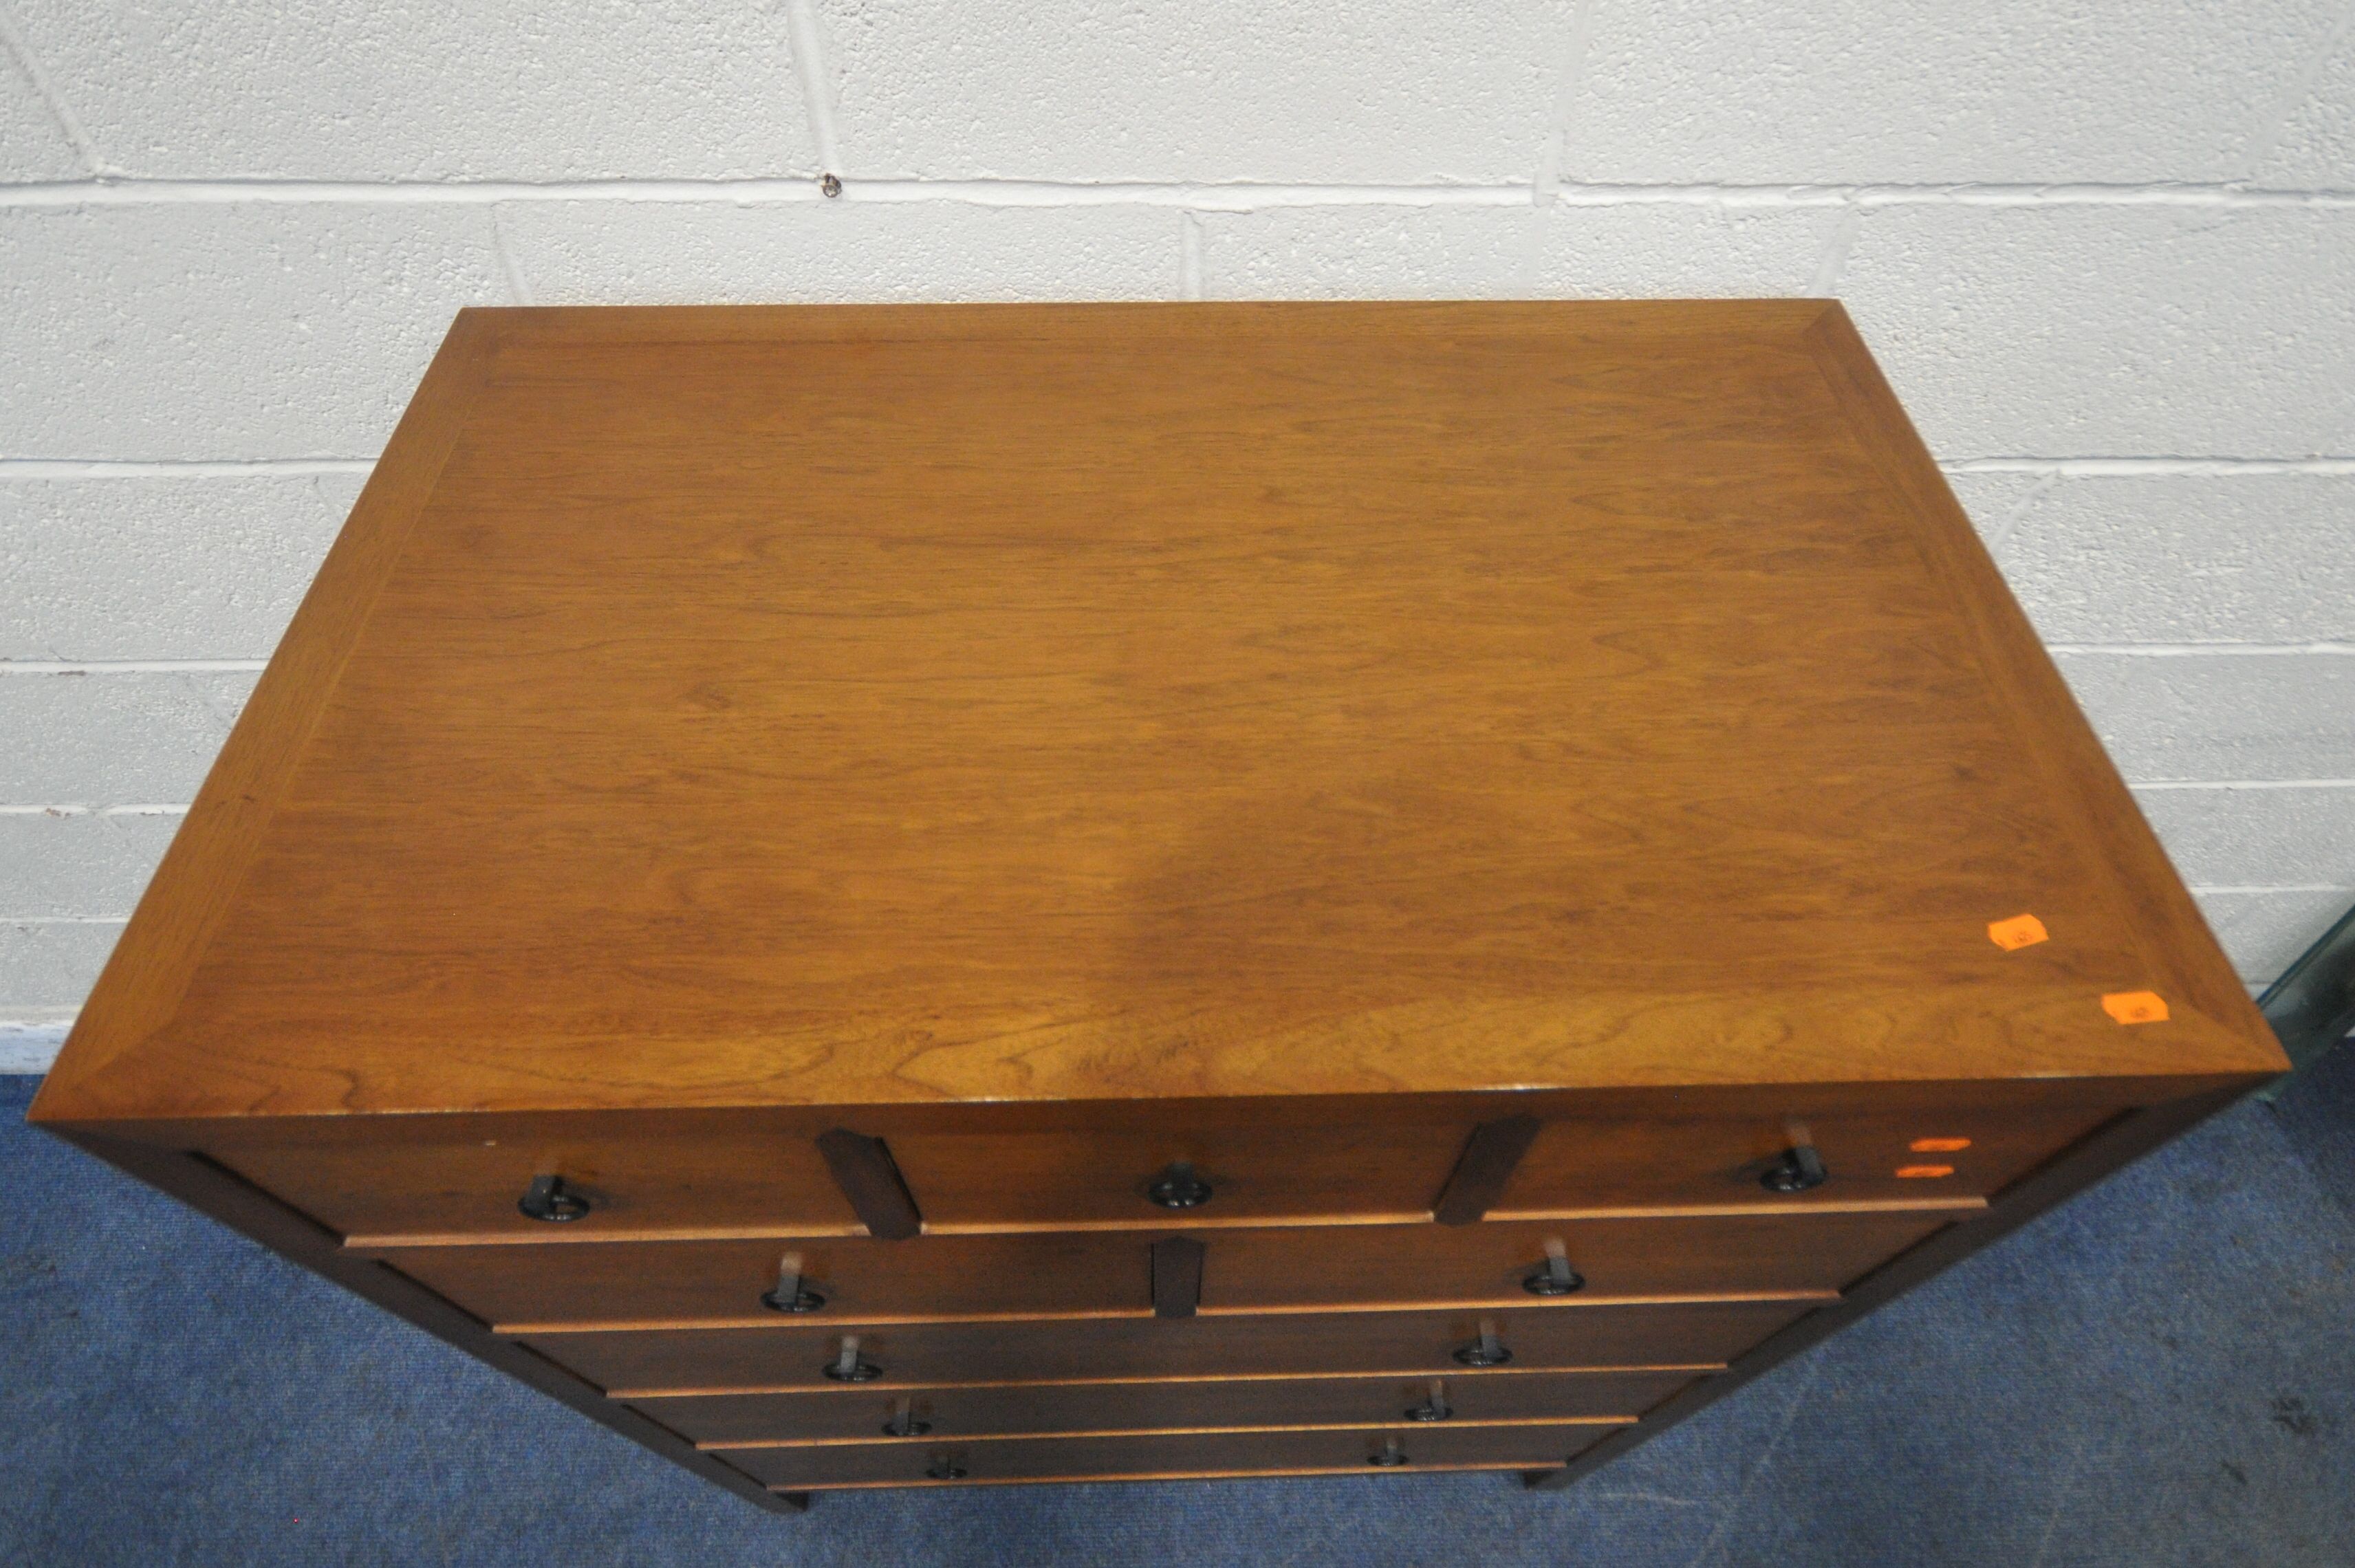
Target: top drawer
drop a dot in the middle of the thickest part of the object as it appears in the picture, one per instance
(1582, 1165)
(413, 1178)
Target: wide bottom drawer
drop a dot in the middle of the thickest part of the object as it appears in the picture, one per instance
(859, 1412)
(1366, 1451)
(1702, 1335)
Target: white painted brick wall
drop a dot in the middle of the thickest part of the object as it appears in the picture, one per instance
(1354, 92)
(2143, 330)
(58, 864)
(230, 235)
(237, 330)
(161, 566)
(33, 146)
(2267, 558)
(1519, 252)
(608, 252)
(112, 736)
(2176, 717)
(317, 90)
(2008, 92)
(2226, 836)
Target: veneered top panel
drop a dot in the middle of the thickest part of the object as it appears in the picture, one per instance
(793, 706)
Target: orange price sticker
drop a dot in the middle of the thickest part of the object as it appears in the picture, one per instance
(1939, 1145)
(1925, 1172)
(2020, 931)
(2135, 1007)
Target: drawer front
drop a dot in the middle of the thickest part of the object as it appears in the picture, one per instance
(1250, 1175)
(1243, 1269)
(379, 1181)
(1079, 1409)
(1701, 1336)
(388, 1178)
(385, 1179)
(917, 1462)
(1580, 1165)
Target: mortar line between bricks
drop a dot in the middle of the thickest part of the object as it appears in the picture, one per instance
(175, 468)
(2294, 888)
(1239, 195)
(65, 920)
(175, 810)
(2204, 650)
(2170, 784)
(130, 666)
(2123, 467)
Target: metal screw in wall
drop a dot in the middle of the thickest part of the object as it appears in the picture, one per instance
(829, 185)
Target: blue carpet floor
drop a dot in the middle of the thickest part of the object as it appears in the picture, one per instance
(2162, 1372)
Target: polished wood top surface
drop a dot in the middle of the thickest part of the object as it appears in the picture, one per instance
(798, 705)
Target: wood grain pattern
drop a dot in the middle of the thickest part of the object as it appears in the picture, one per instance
(1075, 1457)
(1579, 1165)
(394, 1176)
(1061, 742)
(1396, 699)
(1580, 1336)
(833, 1413)
(529, 1289)
(145, 982)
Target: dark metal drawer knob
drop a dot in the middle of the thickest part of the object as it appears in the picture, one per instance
(1556, 1277)
(1393, 1453)
(1487, 1350)
(791, 1294)
(548, 1199)
(1800, 1168)
(903, 1421)
(1179, 1187)
(850, 1367)
(945, 1467)
(1435, 1408)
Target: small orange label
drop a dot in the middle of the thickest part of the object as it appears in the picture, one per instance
(1925, 1172)
(1939, 1145)
(2020, 931)
(2135, 1007)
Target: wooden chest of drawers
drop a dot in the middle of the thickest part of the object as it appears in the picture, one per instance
(936, 896)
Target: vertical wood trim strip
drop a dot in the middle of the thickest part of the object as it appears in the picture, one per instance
(1177, 1276)
(1489, 1158)
(863, 1169)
